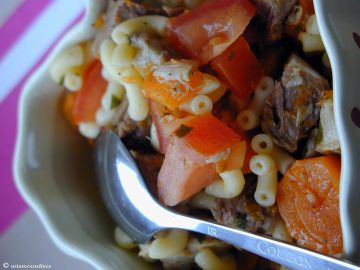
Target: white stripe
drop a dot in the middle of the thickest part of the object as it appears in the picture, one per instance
(35, 41)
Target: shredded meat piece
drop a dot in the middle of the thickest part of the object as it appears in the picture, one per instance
(149, 166)
(274, 13)
(152, 51)
(118, 11)
(243, 211)
(292, 111)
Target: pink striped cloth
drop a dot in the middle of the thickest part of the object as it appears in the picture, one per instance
(20, 31)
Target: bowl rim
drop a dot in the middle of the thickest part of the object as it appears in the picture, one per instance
(93, 9)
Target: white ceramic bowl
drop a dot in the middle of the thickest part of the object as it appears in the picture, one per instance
(53, 164)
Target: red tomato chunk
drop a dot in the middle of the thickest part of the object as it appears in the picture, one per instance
(88, 99)
(208, 30)
(186, 169)
(239, 68)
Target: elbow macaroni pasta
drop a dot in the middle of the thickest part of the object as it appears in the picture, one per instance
(69, 58)
(169, 244)
(206, 259)
(89, 130)
(311, 39)
(123, 55)
(73, 81)
(231, 185)
(103, 117)
(138, 106)
(282, 159)
(113, 89)
(250, 118)
(201, 104)
(262, 164)
(262, 144)
(266, 188)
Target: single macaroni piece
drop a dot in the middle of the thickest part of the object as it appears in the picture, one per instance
(123, 240)
(206, 259)
(89, 130)
(113, 90)
(169, 244)
(266, 188)
(247, 120)
(138, 105)
(201, 104)
(103, 117)
(280, 232)
(154, 139)
(123, 55)
(231, 185)
(69, 58)
(262, 164)
(262, 144)
(107, 48)
(202, 200)
(73, 81)
(152, 23)
(311, 43)
(312, 26)
(282, 158)
(250, 118)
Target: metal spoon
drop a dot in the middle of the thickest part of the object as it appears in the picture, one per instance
(140, 216)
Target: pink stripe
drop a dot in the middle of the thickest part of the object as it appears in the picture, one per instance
(19, 21)
(11, 204)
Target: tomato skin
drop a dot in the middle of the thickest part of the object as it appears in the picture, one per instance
(206, 31)
(209, 135)
(88, 98)
(239, 68)
(308, 201)
(183, 173)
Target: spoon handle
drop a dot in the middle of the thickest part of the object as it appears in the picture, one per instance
(283, 253)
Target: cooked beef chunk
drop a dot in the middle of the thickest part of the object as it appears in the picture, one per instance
(152, 51)
(121, 10)
(292, 110)
(274, 12)
(149, 166)
(243, 211)
(134, 134)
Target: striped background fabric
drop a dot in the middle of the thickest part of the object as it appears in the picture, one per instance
(29, 29)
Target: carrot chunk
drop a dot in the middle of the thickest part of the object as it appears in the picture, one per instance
(308, 201)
